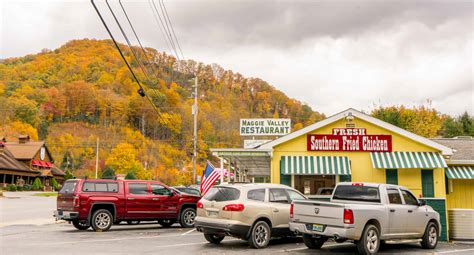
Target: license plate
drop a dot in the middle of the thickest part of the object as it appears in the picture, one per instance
(318, 227)
(212, 213)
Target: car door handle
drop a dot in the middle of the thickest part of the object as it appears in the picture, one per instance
(276, 210)
(410, 211)
(131, 198)
(155, 199)
(392, 210)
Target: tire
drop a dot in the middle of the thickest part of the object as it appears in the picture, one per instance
(166, 222)
(260, 235)
(213, 238)
(369, 242)
(186, 220)
(312, 242)
(133, 222)
(102, 220)
(430, 238)
(80, 225)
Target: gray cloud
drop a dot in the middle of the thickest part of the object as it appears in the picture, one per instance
(329, 54)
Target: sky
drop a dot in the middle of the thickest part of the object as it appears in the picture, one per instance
(331, 55)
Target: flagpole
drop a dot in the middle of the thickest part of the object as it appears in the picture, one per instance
(222, 170)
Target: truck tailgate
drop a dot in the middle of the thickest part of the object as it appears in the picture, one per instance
(326, 213)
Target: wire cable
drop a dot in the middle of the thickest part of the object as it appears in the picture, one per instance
(172, 29)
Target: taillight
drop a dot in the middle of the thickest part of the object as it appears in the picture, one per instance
(348, 216)
(291, 210)
(357, 184)
(199, 205)
(234, 207)
(77, 201)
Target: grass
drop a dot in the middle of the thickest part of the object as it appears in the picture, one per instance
(46, 194)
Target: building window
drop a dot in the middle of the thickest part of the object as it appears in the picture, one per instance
(391, 176)
(427, 183)
(345, 178)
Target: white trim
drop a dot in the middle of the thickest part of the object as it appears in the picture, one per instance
(444, 150)
(460, 162)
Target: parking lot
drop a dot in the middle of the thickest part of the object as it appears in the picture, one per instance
(153, 239)
(27, 227)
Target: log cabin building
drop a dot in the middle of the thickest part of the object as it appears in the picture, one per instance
(22, 161)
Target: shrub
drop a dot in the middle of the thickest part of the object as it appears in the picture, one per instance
(11, 187)
(55, 184)
(19, 188)
(130, 176)
(108, 173)
(27, 187)
(37, 185)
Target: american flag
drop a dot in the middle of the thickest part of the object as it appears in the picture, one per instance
(209, 177)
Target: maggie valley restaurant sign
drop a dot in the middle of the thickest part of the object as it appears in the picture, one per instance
(261, 127)
(349, 139)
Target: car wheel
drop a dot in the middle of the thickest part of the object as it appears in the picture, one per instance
(313, 242)
(430, 238)
(102, 220)
(187, 218)
(213, 238)
(133, 222)
(166, 222)
(369, 242)
(260, 235)
(80, 225)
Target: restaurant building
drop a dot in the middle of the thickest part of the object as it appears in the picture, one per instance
(22, 161)
(348, 146)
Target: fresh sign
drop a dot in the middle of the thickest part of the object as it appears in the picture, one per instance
(349, 139)
(261, 127)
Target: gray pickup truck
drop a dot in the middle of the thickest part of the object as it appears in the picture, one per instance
(367, 214)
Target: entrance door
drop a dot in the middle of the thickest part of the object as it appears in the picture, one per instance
(138, 201)
(427, 183)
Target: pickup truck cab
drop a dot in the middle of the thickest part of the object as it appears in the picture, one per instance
(101, 203)
(366, 214)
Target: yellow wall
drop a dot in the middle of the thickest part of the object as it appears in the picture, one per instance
(361, 164)
(462, 195)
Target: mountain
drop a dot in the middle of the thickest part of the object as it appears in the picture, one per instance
(72, 95)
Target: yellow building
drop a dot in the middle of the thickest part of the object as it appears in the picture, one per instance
(348, 146)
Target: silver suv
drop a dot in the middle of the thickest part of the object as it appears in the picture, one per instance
(253, 212)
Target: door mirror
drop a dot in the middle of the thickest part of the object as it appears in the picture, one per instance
(421, 202)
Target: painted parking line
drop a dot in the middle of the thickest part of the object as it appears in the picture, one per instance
(183, 234)
(454, 251)
(324, 246)
(114, 239)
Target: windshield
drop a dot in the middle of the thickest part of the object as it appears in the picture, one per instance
(69, 187)
(220, 194)
(357, 193)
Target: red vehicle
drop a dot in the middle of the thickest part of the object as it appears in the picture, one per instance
(101, 203)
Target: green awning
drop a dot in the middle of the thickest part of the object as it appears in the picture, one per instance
(400, 159)
(460, 172)
(314, 165)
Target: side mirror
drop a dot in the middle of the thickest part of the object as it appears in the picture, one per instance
(421, 202)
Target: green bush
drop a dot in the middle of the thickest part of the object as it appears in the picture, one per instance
(55, 184)
(68, 175)
(27, 187)
(19, 188)
(37, 185)
(108, 173)
(11, 187)
(130, 176)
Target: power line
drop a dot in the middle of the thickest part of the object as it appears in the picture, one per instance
(166, 32)
(159, 26)
(124, 59)
(172, 29)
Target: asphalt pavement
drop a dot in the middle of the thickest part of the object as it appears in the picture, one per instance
(27, 227)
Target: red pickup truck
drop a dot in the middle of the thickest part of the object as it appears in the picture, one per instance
(101, 203)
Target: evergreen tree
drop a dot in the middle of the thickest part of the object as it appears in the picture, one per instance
(55, 184)
(108, 173)
(37, 185)
(68, 175)
(130, 176)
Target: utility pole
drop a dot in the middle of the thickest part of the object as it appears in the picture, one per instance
(195, 113)
(97, 158)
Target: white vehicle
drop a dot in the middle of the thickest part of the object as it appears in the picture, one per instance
(366, 214)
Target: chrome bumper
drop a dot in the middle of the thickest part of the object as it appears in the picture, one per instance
(329, 231)
(65, 215)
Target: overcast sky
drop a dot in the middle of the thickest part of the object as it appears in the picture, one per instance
(331, 55)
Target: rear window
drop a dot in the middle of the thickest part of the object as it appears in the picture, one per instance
(68, 188)
(257, 195)
(220, 194)
(99, 187)
(357, 193)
